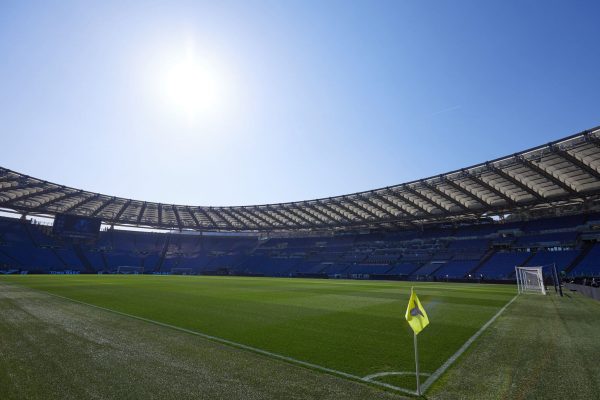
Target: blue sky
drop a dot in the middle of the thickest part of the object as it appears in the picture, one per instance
(312, 99)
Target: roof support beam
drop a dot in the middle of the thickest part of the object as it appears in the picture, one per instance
(208, 216)
(316, 213)
(64, 196)
(225, 220)
(426, 199)
(508, 177)
(32, 194)
(542, 172)
(299, 214)
(189, 210)
(333, 211)
(489, 187)
(365, 209)
(102, 206)
(465, 191)
(28, 185)
(284, 218)
(141, 213)
(242, 217)
(234, 217)
(395, 219)
(377, 206)
(403, 197)
(279, 220)
(80, 203)
(452, 200)
(575, 161)
(340, 204)
(392, 204)
(246, 219)
(122, 210)
(257, 215)
(177, 217)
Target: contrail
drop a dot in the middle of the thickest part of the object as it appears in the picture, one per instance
(445, 110)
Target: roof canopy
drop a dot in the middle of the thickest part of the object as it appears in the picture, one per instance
(562, 172)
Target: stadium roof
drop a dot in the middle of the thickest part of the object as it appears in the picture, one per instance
(562, 172)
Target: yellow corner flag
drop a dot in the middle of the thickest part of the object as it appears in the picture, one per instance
(415, 314)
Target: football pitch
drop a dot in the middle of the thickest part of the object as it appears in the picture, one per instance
(350, 329)
(144, 336)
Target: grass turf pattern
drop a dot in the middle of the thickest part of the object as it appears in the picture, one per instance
(543, 347)
(56, 349)
(355, 327)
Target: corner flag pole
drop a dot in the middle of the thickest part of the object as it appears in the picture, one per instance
(417, 319)
(417, 365)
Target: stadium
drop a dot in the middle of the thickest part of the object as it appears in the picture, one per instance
(536, 207)
(477, 283)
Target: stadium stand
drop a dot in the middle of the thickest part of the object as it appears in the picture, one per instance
(33, 248)
(502, 265)
(537, 207)
(590, 264)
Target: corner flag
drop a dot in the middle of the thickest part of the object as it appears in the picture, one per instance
(415, 314)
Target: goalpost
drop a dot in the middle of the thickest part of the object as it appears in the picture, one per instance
(530, 280)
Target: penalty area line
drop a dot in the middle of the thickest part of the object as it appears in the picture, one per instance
(231, 343)
(434, 377)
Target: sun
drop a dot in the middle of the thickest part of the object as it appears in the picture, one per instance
(194, 86)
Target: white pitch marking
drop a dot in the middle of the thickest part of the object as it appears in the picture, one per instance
(380, 374)
(464, 347)
(240, 345)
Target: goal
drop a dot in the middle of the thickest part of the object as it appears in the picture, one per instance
(530, 280)
(125, 269)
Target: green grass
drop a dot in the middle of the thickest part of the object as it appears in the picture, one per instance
(542, 347)
(56, 349)
(356, 327)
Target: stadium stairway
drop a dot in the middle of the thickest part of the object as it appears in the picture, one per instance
(87, 265)
(483, 260)
(59, 258)
(582, 255)
(251, 251)
(524, 263)
(429, 269)
(417, 268)
(163, 254)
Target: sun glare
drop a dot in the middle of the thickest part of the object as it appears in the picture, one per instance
(194, 87)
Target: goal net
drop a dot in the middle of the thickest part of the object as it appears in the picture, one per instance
(530, 280)
(125, 269)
